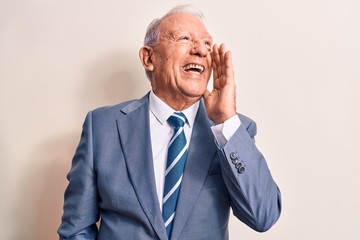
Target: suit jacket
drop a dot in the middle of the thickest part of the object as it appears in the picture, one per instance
(112, 179)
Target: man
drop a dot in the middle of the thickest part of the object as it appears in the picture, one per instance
(124, 167)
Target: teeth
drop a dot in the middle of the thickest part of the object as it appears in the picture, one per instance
(195, 66)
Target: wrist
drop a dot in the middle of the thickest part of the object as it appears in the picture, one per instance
(221, 118)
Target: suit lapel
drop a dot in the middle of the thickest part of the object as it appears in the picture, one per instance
(198, 162)
(136, 144)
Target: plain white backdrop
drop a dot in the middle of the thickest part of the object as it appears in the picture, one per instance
(297, 66)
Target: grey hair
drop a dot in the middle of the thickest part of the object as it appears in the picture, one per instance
(152, 34)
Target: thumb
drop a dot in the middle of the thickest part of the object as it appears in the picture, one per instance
(206, 93)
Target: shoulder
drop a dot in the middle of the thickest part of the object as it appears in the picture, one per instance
(102, 121)
(119, 109)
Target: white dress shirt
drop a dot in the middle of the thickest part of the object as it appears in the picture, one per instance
(161, 132)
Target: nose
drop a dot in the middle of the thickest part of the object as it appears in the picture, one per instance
(200, 49)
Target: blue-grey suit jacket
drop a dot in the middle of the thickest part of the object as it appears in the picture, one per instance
(112, 179)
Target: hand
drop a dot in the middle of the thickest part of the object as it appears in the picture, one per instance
(220, 103)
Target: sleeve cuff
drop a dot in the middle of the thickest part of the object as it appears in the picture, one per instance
(224, 131)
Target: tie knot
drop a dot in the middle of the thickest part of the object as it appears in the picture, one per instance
(177, 119)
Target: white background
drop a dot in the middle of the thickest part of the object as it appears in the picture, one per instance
(297, 66)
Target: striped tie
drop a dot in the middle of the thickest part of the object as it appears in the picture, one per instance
(174, 169)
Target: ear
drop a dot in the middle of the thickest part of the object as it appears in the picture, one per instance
(146, 54)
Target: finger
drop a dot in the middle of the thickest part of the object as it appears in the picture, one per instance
(227, 66)
(229, 70)
(213, 63)
(222, 52)
(216, 61)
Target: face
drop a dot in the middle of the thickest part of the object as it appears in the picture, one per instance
(181, 61)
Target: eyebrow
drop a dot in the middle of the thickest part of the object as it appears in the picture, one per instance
(177, 32)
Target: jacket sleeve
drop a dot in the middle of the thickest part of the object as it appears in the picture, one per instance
(80, 202)
(255, 197)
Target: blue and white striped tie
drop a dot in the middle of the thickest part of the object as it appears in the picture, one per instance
(174, 169)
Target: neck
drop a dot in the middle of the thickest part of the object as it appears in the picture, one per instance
(178, 103)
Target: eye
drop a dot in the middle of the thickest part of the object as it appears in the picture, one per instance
(184, 39)
(208, 43)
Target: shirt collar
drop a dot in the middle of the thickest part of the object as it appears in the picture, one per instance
(162, 111)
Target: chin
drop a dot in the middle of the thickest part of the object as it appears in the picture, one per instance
(193, 89)
(194, 94)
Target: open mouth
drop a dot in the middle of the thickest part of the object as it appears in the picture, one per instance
(192, 67)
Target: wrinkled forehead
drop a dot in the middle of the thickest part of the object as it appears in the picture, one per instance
(183, 22)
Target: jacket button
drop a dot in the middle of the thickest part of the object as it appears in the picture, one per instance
(233, 156)
(238, 165)
(241, 170)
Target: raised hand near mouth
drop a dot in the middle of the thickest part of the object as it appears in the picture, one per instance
(220, 103)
